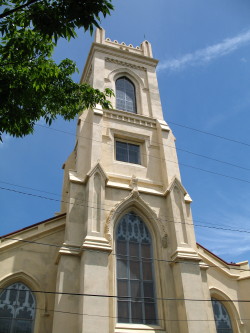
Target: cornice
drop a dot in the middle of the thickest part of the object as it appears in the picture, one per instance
(125, 64)
(130, 118)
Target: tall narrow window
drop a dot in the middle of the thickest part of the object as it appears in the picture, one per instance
(221, 317)
(135, 276)
(125, 95)
(17, 309)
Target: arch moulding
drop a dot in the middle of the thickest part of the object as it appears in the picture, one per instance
(134, 200)
(33, 285)
(238, 325)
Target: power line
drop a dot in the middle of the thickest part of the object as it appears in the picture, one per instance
(108, 205)
(29, 188)
(183, 164)
(161, 144)
(117, 212)
(127, 256)
(209, 133)
(136, 318)
(131, 297)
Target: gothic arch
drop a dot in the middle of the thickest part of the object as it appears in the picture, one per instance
(33, 285)
(236, 322)
(124, 71)
(134, 202)
(134, 78)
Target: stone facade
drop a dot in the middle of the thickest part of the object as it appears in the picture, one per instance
(74, 276)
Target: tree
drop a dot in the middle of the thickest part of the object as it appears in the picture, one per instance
(32, 85)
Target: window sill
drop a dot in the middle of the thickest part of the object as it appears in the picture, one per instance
(138, 328)
(130, 164)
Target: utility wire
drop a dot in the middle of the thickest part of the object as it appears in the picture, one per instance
(130, 297)
(104, 205)
(29, 188)
(235, 266)
(117, 212)
(136, 318)
(186, 165)
(212, 134)
(161, 144)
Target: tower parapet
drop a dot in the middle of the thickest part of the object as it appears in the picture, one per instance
(144, 49)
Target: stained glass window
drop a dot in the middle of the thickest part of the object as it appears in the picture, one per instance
(221, 317)
(17, 309)
(125, 95)
(135, 276)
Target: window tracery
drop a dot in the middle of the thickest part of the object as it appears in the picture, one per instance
(221, 317)
(17, 309)
(135, 278)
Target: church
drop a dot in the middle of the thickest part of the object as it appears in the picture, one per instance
(121, 256)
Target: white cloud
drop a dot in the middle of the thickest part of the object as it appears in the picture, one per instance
(207, 54)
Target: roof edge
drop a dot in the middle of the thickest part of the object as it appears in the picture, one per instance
(33, 225)
(217, 257)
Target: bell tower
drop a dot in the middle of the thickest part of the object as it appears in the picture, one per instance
(129, 237)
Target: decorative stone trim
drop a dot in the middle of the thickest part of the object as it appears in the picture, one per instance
(122, 44)
(130, 118)
(98, 112)
(187, 253)
(96, 243)
(132, 199)
(125, 64)
(163, 125)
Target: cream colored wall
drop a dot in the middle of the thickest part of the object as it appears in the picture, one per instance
(34, 265)
(228, 282)
(110, 188)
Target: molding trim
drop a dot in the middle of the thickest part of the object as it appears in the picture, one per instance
(185, 253)
(96, 243)
(126, 64)
(129, 117)
(134, 200)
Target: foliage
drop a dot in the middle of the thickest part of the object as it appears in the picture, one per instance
(32, 85)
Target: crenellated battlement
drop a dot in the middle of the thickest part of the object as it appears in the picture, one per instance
(144, 49)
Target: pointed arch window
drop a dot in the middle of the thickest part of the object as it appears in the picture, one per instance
(221, 317)
(17, 309)
(135, 276)
(125, 95)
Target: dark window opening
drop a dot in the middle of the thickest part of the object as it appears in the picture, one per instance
(128, 152)
(125, 95)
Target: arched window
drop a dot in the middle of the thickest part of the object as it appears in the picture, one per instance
(125, 95)
(17, 309)
(135, 276)
(221, 317)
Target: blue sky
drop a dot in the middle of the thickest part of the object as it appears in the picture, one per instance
(204, 80)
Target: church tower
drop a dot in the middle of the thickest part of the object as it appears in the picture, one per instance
(129, 250)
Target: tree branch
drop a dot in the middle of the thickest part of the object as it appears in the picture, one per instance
(7, 13)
